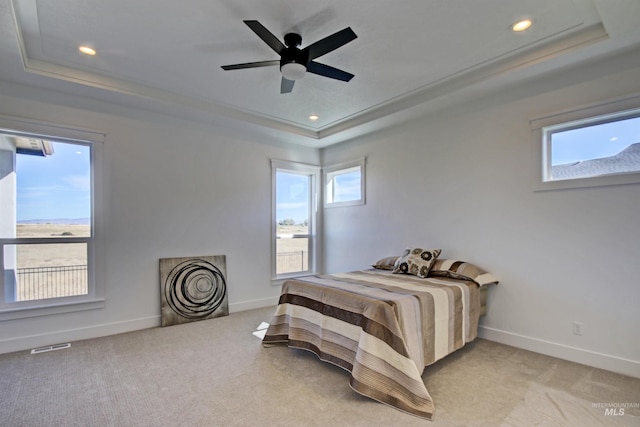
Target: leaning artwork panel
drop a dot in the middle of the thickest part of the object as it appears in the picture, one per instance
(193, 288)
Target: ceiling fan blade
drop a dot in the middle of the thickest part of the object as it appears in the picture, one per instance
(330, 43)
(266, 36)
(251, 65)
(327, 71)
(286, 86)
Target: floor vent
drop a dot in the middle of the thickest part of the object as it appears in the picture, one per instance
(50, 348)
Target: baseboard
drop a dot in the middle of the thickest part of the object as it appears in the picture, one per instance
(253, 304)
(561, 351)
(77, 334)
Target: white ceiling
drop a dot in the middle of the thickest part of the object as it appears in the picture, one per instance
(167, 54)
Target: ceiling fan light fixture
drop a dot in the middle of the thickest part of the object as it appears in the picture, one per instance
(293, 71)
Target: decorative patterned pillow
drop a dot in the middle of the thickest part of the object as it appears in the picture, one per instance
(385, 263)
(416, 261)
(462, 270)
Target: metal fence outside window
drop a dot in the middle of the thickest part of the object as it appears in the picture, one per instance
(292, 262)
(36, 283)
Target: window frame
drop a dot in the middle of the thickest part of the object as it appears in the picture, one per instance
(331, 171)
(94, 298)
(604, 112)
(313, 172)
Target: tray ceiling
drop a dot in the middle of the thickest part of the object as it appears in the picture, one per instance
(406, 54)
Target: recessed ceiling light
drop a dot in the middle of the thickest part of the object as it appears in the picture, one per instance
(314, 117)
(87, 50)
(521, 25)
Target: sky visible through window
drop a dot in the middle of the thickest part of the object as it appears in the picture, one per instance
(594, 142)
(58, 186)
(347, 187)
(54, 187)
(292, 197)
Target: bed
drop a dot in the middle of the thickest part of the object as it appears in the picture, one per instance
(384, 327)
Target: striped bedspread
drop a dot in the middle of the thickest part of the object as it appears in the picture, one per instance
(383, 328)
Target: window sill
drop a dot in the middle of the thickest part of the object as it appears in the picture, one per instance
(358, 202)
(596, 181)
(49, 309)
(278, 281)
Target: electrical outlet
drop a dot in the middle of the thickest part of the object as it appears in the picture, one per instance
(577, 328)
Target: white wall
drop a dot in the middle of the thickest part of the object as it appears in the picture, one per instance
(461, 180)
(7, 188)
(171, 188)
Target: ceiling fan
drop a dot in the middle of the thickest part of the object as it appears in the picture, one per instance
(295, 62)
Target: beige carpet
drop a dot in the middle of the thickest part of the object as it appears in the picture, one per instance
(216, 373)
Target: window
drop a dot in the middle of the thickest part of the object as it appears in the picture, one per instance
(47, 225)
(294, 219)
(600, 146)
(594, 146)
(344, 184)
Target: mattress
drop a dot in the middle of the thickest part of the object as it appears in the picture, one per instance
(382, 328)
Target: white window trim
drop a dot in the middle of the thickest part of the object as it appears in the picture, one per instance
(326, 171)
(614, 107)
(314, 221)
(95, 298)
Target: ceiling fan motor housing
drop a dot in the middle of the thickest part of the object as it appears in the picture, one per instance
(292, 53)
(293, 60)
(292, 40)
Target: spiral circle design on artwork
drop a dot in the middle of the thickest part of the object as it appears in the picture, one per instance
(195, 288)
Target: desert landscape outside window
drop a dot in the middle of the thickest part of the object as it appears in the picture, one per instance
(294, 203)
(46, 219)
(292, 230)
